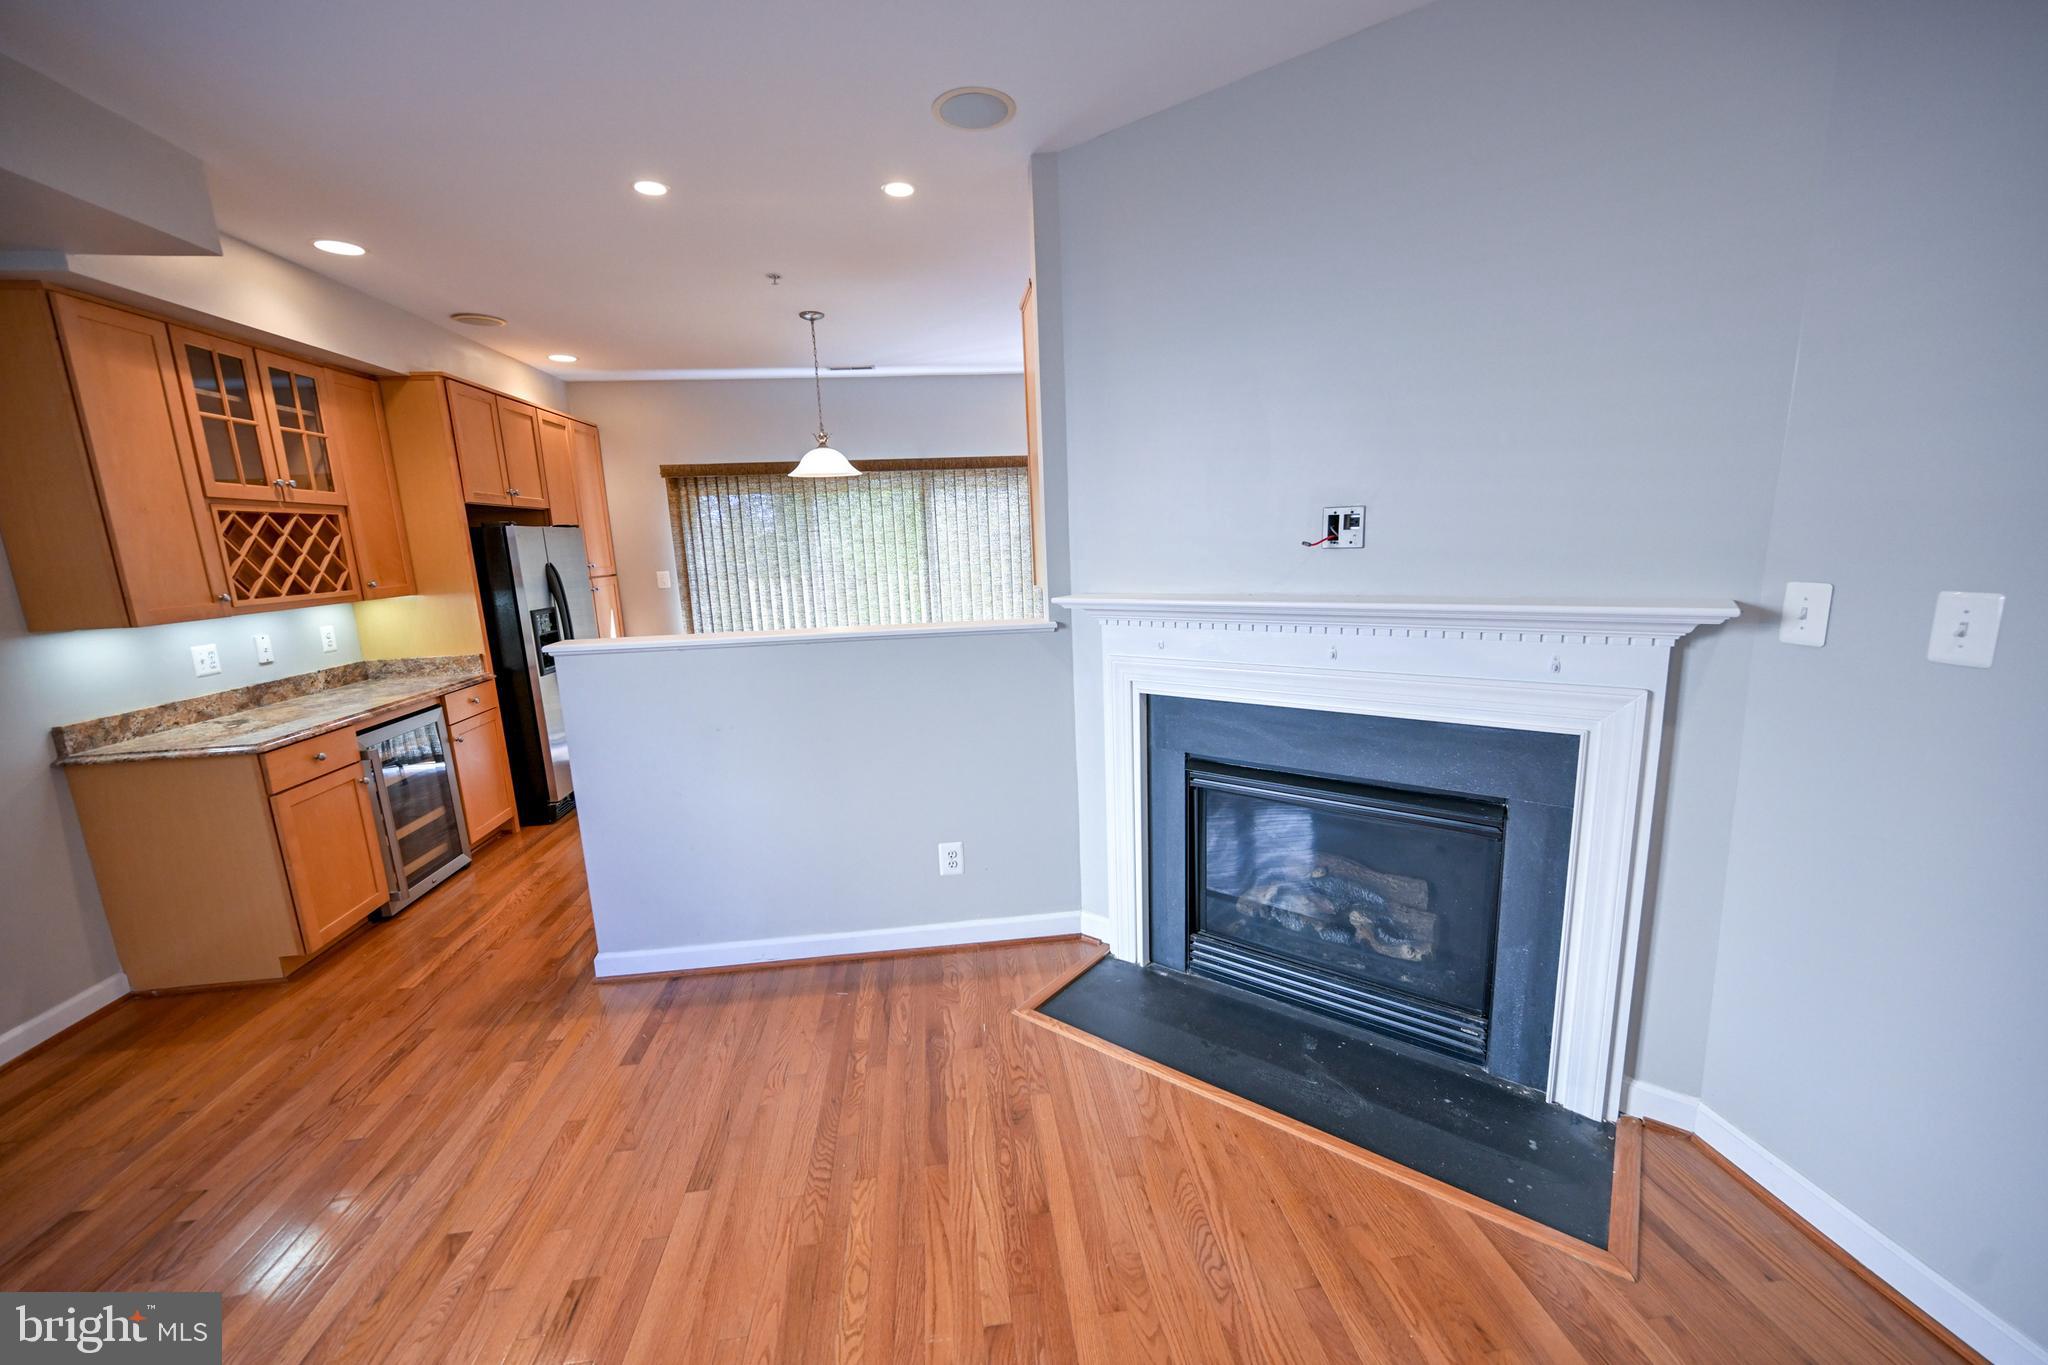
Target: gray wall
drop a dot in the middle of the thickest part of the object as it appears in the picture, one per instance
(1879, 1014)
(55, 932)
(771, 791)
(1595, 297)
(1523, 278)
(645, 425)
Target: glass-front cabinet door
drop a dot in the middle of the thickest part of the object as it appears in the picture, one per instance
(292, 394)
(230, 427)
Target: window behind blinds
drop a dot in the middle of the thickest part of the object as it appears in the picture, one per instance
(908, 542)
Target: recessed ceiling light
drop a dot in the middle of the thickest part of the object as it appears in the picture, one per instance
(336, 247)
(974, 108)
(563, 358)
(477, 319)
(653, 189)
(899, 189)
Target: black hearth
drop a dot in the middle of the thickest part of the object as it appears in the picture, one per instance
(1370, 903)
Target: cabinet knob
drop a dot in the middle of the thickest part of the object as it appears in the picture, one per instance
(472, 701)
(320, 757)
(459, 740)
(291, 483)
(373, 582)
(224, 600)
(513, 492)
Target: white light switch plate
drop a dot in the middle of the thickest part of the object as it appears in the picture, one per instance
(1965, 628)
(205, 660)
(1805, 620)
(951, 864)
(263, 652)
(661, 579)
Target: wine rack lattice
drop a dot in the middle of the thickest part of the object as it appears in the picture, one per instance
(276, 554)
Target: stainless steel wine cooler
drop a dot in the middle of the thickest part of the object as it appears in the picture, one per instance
(418, 802)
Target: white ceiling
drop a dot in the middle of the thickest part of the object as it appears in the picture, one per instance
(483, 152)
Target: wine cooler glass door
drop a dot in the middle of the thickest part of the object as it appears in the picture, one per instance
(425, 840)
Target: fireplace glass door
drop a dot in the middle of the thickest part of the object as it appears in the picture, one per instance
(1371, 903)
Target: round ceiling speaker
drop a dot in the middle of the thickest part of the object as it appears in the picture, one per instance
(477, 319)
(974, 108)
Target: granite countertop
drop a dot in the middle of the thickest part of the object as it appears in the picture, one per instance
(216, 725)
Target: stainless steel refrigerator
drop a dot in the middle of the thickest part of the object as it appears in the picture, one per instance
(535, 582)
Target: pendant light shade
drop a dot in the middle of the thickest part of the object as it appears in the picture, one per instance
(824, 462)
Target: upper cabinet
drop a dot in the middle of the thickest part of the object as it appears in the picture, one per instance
(558, 466)
(362, 443)
(497, 447)
(592, 505)
(129, 442)
(307, 470)
(218, 381)
(473, 421)
(150, 472)
(519, 429)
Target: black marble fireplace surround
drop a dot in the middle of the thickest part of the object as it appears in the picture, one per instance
(1440, 854)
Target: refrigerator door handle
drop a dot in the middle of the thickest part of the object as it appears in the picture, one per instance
(558, 597)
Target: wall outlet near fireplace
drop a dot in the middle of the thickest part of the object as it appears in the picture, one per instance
(951, 863)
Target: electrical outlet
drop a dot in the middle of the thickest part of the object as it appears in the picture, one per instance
(205, 660)
(263, 654)
(951, 863)
(327, 641)
(1345, 526)
(662, 579)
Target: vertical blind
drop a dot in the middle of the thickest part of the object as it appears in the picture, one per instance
(906, 543)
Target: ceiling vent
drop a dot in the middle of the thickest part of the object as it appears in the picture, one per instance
(477, 319)
(974, 108)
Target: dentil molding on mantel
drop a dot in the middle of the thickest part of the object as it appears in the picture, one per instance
(1582, 620)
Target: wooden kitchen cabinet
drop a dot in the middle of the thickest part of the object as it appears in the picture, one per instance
(484, 772)
(497, 448)
(100, 496)
(519, 432)
(611, 618)
(473, 422)
(362, 443)
(151, 472)
(558, 465)
(327, 831)
(298, 415)
(592, 505)
(231, 433)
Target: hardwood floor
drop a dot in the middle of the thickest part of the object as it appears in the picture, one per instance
(446, 1142)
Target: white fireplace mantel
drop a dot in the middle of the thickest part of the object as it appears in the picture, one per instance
(1594, 669)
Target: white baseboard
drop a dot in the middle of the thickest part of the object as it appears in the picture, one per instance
(746, 952)
(1998, 1340)
(61, 1016)
(1648, 1101)
(1095, 926)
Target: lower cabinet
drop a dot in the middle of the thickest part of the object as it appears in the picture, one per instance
(484, 773)
(230, 868)
(327, 830)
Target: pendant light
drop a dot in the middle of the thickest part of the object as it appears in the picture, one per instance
(824, 462)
